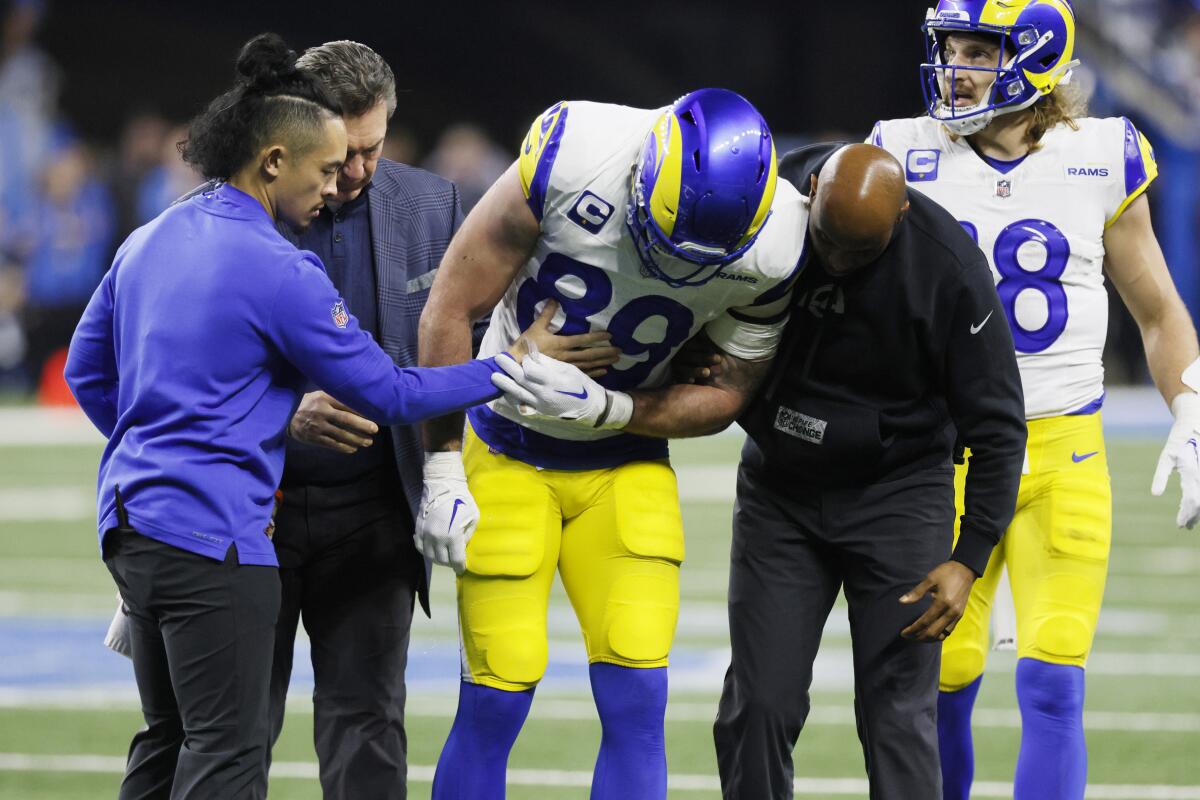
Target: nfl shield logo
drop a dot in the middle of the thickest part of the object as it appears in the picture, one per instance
(1003, 188)
(341, 317)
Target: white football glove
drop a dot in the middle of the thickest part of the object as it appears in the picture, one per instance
(448, 513)
(1182, 454)
(543, 386)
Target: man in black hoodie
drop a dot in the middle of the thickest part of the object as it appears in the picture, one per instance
(896, 355)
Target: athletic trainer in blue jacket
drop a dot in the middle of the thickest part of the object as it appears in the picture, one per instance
(191, 357)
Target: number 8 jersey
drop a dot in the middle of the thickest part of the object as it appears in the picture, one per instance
(1041, 223)
(575, 168)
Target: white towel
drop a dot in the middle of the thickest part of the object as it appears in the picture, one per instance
(1004, 616)
(117, 638)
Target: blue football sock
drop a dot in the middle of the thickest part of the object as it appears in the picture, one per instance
(475, 758)
(955, 745)
(1052, 764)
(633, 750)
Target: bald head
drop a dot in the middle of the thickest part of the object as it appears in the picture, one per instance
(858, 198)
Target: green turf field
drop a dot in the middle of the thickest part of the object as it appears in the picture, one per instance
(1144, 683)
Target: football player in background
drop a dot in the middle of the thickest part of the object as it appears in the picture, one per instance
(651, 224)
(1056, 201)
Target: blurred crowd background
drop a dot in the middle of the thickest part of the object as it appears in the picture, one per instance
(95, 96)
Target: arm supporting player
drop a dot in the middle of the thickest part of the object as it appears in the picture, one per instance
(1135, 263)
(683, 410)
(743, 342)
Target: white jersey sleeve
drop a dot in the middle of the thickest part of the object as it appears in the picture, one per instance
(752, 332)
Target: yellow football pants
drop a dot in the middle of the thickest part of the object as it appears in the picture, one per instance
(1056, 551)
(616, 538)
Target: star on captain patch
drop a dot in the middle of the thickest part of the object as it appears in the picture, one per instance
(341, 317)
(1003, 188)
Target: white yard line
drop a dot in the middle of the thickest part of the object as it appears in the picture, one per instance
(56, 503)
(34, 426)
(422, 773)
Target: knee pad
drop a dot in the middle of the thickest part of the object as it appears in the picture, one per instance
(504, 642)
(1063, 635)
(1065, 620)
(639, 619)
(961, 666)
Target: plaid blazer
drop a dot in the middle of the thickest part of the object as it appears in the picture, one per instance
(413, 214)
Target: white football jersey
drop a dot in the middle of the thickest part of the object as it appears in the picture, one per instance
(1041, 225)
(575, 168)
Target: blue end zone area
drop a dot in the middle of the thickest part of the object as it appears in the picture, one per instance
(49, 655)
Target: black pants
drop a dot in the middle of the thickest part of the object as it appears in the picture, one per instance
(791, 554)
(350, 570)
(200, 633)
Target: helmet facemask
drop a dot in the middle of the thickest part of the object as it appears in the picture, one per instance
(1030, 57)
(701, 188)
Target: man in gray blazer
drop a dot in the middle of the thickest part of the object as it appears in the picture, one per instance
(344, 528)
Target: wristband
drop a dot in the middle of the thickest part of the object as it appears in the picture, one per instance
(618, 410)
(1191, 376)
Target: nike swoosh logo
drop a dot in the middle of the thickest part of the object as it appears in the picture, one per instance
(582, 394)
(1077, 458)
(454, 512)
(977, 328)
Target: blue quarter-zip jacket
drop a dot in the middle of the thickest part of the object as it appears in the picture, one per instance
(192, 356)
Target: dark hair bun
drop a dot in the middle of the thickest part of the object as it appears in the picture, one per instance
(265, 63)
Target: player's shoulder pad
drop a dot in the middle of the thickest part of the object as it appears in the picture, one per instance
(1140, 166)
(898, 136)
(778, 252)
(538, 153)
(1117, 143)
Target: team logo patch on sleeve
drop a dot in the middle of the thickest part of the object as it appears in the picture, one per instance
(590, 212)
(341, 317)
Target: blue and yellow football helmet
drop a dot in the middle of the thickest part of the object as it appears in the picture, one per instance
(1038, 40)
(703, 186)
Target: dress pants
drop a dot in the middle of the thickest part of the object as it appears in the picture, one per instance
(349, 570)
(792, 551)
(201, 636)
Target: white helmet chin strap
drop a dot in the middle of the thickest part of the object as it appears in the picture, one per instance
(967, 124)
